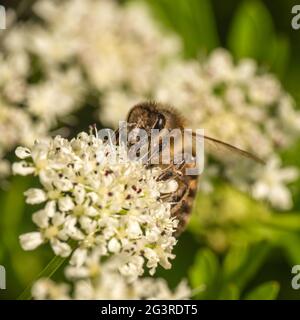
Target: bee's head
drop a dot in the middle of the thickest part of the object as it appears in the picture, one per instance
(150, 115)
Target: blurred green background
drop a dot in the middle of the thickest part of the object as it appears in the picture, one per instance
(262, 251)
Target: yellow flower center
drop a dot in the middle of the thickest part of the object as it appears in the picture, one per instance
(94, 270)
(51, 232)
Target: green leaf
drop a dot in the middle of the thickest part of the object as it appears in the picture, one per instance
(251, 29)
(284, 221)
(193, 20)
(278, 54)
(204, 272)
(204, 25)
(290, 242)
(230, 213)
(240, 272)
(266, 291)
(230, 292)
(12, 212)
(234, 261)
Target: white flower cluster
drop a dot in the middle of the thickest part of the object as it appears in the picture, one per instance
(48, 67)
(46, 94)
(15, 124)
(237, 103)
(110, 45)
(15, 127)
(116, 45)
(109, 284)
(100, 203)
(241, 105)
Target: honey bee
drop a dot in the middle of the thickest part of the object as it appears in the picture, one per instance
(152, 115)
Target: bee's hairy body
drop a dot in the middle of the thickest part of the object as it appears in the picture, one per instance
(151, 115)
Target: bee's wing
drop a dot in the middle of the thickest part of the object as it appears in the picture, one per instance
(222, 146)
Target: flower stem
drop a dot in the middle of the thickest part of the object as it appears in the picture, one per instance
(47, 272)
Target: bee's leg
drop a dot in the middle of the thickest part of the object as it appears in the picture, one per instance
(172, 171)
(185, 199)
(167, 173)
(179, 195)
(175, 197)
(182, 199)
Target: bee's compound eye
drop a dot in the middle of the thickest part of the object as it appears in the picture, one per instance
(160, 122)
